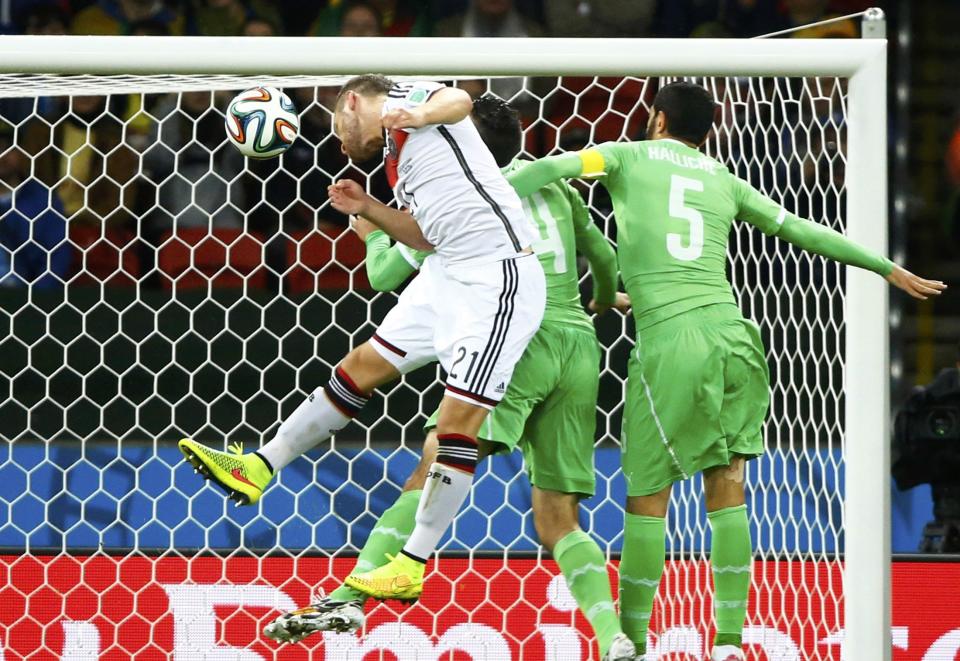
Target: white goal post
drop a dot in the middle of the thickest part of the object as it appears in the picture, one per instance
(862, 62)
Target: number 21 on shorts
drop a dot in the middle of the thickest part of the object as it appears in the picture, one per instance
(678, 187)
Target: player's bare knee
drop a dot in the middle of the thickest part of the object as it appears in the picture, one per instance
(655, 504)
(724, 485)
(459, 417)
(367, 368)
(555, 515)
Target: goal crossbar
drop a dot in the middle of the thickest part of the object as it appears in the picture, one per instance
(422, 56)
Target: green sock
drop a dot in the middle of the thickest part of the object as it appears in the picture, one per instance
(585, 568)
(731, 558)
(388, 536)
(641, 566)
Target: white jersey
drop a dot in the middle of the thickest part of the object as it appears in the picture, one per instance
(450, 182)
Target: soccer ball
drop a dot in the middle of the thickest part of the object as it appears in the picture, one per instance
(262, 122)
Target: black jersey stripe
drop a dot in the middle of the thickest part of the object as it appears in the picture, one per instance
(501, 328)
(512, 266)
(480, 189)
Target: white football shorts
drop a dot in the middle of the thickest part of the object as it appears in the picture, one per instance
(475, 320)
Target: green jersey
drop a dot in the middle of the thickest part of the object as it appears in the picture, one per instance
(563, 224)
(674, 207)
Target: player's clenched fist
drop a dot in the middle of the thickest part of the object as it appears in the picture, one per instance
(621, 303)
(401, 118)
(347, 196)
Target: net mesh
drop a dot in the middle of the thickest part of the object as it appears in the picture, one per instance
(154, 284)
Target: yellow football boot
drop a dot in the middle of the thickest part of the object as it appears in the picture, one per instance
(401, 579)
(242, 476)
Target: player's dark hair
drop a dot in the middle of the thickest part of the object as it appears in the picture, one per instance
(689, 110)
(369, 84)
(499, 125)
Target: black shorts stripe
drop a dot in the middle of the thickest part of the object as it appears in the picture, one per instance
(498, 349)
(480, 189)
(511, 303)
(490, 361)
(391, 347)
(497, 320)
(480, 399)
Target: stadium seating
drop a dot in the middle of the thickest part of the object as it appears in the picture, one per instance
(197, 257)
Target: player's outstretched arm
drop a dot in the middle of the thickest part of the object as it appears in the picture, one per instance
(588, 164)
(348, 197)
(387, 266)
(533, 176)
(758, 209)
(447, 105)
(825, 241)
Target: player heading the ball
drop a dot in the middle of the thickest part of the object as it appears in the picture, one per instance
(549, 411)
(698, 386)
(474, 309)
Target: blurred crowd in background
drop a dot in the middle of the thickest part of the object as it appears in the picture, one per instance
(119, 175)
(425, 18)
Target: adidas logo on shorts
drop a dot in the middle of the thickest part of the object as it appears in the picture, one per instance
(500, 388)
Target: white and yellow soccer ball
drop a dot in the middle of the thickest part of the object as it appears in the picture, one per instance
(262, 122)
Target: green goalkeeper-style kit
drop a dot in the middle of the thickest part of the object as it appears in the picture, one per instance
(698, 386)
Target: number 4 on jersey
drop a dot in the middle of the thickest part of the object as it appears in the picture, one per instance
(678, 187)
(536, 207)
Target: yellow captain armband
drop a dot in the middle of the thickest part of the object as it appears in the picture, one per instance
(592, 162)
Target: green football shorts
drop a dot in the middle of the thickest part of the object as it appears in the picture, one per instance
(698, 390)
(549, 410)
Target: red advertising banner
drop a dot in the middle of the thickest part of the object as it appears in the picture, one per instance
(100, 608)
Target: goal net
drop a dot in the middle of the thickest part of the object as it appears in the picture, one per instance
(154, 284)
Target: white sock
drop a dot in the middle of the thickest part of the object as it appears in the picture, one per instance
(320, 416)
(443, 495)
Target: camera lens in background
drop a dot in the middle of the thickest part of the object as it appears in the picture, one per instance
(943, 423)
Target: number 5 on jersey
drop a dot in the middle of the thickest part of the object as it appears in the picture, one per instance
(686, 253)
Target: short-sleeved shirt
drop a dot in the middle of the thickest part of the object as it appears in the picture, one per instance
(450, 181)
(674, 207)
